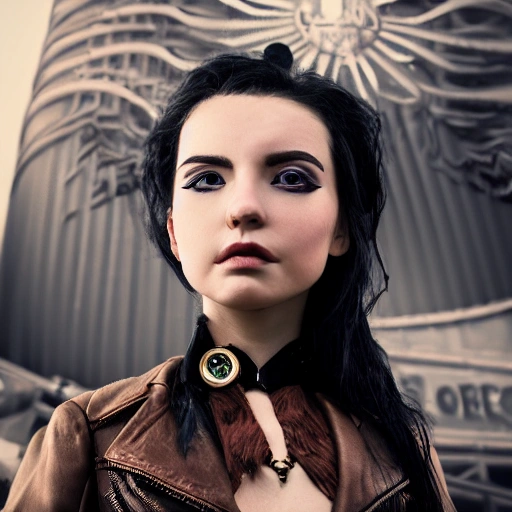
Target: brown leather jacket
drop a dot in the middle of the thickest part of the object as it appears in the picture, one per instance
(116, 449)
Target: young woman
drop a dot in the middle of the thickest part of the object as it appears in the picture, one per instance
(264, 191)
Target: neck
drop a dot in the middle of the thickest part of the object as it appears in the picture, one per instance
(259, 333)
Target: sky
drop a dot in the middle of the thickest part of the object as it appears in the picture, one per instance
(23, 27)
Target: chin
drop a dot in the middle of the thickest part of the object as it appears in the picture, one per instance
(246, 301)
(255, 300)
(251, 294)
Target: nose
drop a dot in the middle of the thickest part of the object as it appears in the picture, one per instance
(246, 209)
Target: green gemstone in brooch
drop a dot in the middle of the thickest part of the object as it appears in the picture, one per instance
(219, 367)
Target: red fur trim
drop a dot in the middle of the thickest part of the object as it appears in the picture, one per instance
(245, 446)
(305, 431)
(307, 437)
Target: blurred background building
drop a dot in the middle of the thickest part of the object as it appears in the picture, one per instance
(84, 296)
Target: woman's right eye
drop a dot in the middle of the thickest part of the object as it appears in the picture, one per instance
(205, 182)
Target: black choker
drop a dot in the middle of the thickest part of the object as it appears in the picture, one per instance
(208, 366)
(222, 366)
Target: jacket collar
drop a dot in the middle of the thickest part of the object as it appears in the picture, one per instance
(148, 444)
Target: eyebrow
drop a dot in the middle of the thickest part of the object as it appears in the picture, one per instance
(218, 161)
(289, 156)
(271, 160)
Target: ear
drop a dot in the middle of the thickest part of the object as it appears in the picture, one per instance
(340, 242)
(172, 238)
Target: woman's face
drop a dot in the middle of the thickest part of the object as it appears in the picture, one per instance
(255, 208)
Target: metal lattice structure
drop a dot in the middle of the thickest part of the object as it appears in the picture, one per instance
(479, 480)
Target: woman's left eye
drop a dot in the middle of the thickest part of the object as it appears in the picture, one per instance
(295, 180)
(205, 182)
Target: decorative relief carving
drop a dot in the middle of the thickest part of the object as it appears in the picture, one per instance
(472, 144)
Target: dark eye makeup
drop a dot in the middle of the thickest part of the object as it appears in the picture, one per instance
(293, 180)
(205, 181)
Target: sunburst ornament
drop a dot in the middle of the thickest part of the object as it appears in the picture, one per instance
(378, 48)
(338, 29)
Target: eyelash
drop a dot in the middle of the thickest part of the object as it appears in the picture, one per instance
(308, 184)
(199, 177)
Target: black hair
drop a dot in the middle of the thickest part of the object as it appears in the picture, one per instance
(360, 380)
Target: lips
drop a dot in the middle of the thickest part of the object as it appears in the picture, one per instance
(246, 249)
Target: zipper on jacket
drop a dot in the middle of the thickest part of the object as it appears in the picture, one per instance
(387, 496)
(158, 484)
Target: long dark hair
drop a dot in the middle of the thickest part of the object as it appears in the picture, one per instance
(360, 380)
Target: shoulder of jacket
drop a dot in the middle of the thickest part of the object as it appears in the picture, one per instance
(113, 398)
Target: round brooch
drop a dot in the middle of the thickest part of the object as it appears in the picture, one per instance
(219, 367)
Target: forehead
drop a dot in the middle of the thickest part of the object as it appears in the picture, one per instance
(252, 123)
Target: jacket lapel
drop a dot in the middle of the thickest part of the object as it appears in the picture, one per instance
(365, 469)
(148, 443)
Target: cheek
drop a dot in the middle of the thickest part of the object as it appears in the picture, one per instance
(194, 218)
(310, 238)
(187, 240)
(314, 222)
(190, 219)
